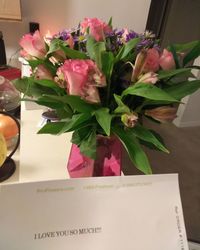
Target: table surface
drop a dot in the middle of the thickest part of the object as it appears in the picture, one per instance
(40, 157)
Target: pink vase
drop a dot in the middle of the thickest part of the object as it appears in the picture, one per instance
(108, 162)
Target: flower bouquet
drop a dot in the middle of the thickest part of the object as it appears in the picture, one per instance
(102, 81)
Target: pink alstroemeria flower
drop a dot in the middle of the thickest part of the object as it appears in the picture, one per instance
(97, 28)
(80, 76)
(162, 114)
(41, 72)
(152, 61)
(146, 61)
(167, 60)
(149, 77)
(70, 41)
(33, 45)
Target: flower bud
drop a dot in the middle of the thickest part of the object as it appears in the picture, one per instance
(167, 60)
(130, 119)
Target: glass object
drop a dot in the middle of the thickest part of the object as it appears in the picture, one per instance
(9, 97)
(107, 163)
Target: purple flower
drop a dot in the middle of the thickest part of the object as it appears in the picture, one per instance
(131, 35)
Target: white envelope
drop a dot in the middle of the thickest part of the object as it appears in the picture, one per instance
(103, 213)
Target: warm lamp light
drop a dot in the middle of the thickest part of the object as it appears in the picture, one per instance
(48, 37)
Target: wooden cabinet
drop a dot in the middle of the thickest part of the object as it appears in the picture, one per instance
(10, 10)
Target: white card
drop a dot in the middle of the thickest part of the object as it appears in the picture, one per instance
(108, 213)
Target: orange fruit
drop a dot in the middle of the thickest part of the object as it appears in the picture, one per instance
(3, 147)
(8, 127)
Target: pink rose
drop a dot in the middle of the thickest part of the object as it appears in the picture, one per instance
(24, 54)
(82, 78)
(167, 60)
(33, 45)
(162, 114)
(152, 61)
(97, 28)
(42, 72)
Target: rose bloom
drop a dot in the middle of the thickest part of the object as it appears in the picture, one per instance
(41, 72)
(97, 28)
(152, 61)
(167, 60)
(162, 114)
(33, 45)
(80, 76)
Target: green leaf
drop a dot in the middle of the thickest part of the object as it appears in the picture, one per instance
(110, 22)
(185, 47)
(54, 45)
(28, 86)
(21, 84)
(75, 102)
(35, 63)
(90, 47)
(193, 54)
(122, 108)
(148, 91)
(107, 61)
(173, 50)
(49, 104)
(53, 128)
(151, 145)
(162, 74)
(104, 119)
(57, 44)
(135, 152)
(95, 49)
(47, 83)
(126, 49)
(146, 135)
(52, 68)
(80, 134)
(88, 145)
(76, 122)
(183, 89)
(73, 54)
(64, 112)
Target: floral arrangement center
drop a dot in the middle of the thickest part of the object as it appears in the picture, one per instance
(101, 82)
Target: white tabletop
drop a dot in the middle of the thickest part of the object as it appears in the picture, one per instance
(40, 157)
